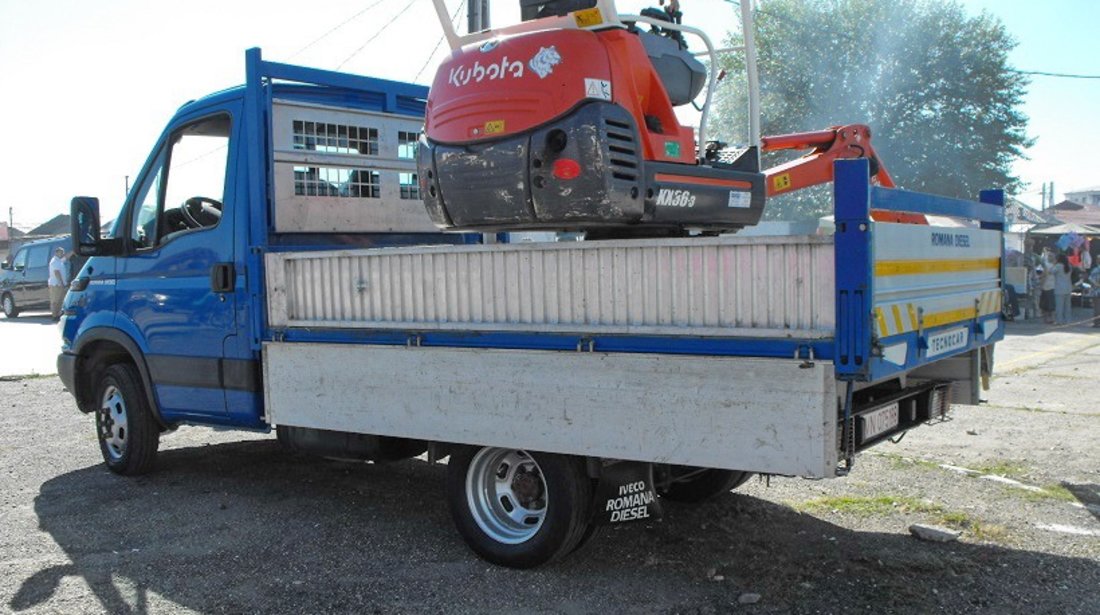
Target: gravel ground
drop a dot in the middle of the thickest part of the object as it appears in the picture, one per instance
(230, 523)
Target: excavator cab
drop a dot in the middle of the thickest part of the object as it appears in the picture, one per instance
(565, 121)
(682, 75)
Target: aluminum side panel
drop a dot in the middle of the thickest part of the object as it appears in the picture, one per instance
(721, 286)
(761, 415)
(313, 188)
(928, 276)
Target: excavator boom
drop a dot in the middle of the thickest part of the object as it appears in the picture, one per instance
(816, 167)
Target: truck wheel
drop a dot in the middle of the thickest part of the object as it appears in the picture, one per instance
(128, 434)
(519, 509)
(8, 305)
(705, 485)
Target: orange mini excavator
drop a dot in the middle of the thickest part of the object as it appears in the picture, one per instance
(566, 121)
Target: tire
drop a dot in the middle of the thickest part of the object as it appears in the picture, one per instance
(127, 432)
(705, 485)
(7, 303)
(539, 515)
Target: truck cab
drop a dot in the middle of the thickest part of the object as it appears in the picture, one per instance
(166, 294)
(174, 288)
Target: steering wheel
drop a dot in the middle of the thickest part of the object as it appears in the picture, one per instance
(201, 211)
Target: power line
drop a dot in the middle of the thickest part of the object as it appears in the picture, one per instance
(438, 43)
(376, 35)
(335, 28)
(1049, 74)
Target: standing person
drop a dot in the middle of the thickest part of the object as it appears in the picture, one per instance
(1094, 281)
(59, 281)
(1046, 294)
(1062, 288)
(1034, 290)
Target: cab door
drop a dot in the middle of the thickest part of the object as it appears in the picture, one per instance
(175, 286)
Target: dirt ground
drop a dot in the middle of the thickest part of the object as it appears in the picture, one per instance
(231, 524)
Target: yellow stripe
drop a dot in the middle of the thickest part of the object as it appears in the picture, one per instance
(913, 324)
(915, 267)
(882, 332)
(897, 318)
(946, 317)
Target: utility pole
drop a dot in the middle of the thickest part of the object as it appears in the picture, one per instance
(127, 193)
(477, 16)
(11, 218)
(1043, 207)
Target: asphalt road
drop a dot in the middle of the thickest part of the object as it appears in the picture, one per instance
(229, 523)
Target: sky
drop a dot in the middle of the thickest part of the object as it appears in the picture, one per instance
(87, 87)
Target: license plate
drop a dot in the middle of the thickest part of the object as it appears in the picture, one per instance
(880, 421)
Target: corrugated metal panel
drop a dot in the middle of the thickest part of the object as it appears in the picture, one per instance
(718, 286)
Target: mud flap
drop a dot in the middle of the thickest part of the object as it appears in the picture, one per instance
(625, 493)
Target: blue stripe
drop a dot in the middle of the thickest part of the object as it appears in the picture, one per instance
(895, 199)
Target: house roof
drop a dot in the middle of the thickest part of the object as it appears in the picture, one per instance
(1078, 213)
(1080, 190)
(1017, 212)
(58, 225)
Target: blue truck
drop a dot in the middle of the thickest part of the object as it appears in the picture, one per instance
(274, 269)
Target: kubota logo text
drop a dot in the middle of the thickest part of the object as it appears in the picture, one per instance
(461, 75)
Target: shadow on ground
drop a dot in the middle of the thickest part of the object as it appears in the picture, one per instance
(1088, 495)
(244, 527)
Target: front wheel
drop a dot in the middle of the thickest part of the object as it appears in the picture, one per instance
(128, 433)
(517, 508)
(7, 303)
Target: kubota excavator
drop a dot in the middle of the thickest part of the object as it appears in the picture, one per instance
(566, 121)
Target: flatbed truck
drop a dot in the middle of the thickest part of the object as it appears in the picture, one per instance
(274, 269)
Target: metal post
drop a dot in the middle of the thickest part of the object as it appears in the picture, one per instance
(477, 16)
(750, 71)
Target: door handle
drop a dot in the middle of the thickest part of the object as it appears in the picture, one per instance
(223, 277)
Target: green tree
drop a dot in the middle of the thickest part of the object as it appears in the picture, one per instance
(933, 84)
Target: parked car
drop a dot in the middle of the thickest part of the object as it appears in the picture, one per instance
(23, 281)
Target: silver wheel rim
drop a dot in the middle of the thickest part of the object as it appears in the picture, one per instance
(9, 305)
(113, 428)
(507, 494)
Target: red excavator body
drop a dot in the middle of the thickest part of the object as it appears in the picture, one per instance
(574, 129)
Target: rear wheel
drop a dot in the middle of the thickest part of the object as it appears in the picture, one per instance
(704, 484)
(128, 433)
(7, 303)
(517, 508)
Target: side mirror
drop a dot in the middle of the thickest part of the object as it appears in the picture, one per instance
(5, 265)
(84, 220)
(84, 217)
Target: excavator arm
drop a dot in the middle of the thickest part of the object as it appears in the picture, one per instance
(816, 166)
